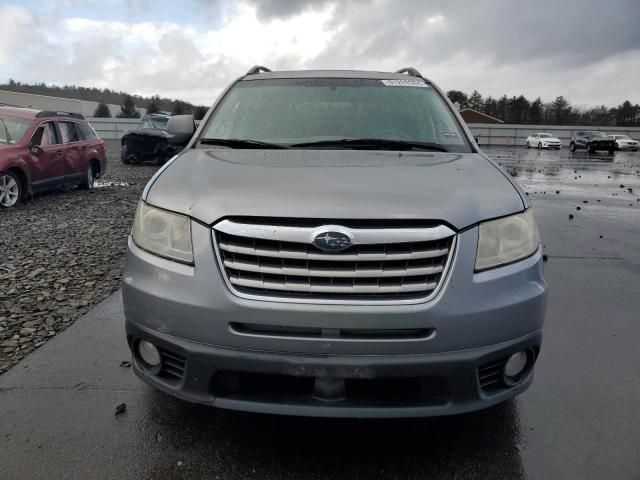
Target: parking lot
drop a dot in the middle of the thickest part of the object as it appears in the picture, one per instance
(580, 419)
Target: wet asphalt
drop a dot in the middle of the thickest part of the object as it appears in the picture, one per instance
(579, 420)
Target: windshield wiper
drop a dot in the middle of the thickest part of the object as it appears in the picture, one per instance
(374, 143)
(240, 143)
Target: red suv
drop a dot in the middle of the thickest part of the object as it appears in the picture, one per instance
(40, 150)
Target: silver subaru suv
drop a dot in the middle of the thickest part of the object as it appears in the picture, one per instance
(334, 243)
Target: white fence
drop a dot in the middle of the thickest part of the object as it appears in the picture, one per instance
(503, 134)
(113, 128)
(488, 134)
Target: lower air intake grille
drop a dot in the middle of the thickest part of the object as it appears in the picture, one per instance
(490, 375)
(172, 365)
(381, 263)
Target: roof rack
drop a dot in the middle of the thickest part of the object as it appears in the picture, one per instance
(411, 71)
(49, 113)
(257, 69)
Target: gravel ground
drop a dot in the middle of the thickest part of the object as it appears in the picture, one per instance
(62, 253)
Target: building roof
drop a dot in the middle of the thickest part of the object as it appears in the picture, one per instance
(473, 116)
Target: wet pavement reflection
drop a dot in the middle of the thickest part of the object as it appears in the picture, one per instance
(553, 172)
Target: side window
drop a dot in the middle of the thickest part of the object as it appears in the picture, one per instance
(44, 136)
(69, 132)
(87, 131)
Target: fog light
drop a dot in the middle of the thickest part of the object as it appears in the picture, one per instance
(515, 365)
(149, 353)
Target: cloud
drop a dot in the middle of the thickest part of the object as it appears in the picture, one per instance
(583, 50)
(283, 9)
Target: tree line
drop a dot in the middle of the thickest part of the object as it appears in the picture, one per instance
(520, 110)
(128, 103)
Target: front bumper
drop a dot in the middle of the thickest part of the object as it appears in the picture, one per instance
(374, 386)
(627, 146)
(601, 145)
(477, 319)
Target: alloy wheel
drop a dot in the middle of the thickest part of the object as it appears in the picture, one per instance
(91, 179)
(9, 191)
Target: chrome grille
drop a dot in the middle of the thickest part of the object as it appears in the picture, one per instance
(386, 263)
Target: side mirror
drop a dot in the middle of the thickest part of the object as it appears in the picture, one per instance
(181, 128)
(35, 149)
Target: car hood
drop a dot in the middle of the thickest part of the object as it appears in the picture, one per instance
(459, 189)
(6, 146)
(148, 132)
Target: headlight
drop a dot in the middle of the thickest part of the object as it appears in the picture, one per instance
(164, 233)
(506, 240)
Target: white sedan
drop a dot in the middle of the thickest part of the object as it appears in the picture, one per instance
(623, 142)
(543, 140)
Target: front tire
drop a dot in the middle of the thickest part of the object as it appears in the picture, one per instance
(10, 190)
(89, 178)
(124, 154)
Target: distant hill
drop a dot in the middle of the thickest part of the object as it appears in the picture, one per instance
(91, 94)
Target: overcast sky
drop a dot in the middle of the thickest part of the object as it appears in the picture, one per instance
(586, 50)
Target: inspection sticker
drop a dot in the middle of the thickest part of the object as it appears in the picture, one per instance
(449, 134)
(404, 83)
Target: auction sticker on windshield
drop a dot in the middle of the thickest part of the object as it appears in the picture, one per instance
(404, 83)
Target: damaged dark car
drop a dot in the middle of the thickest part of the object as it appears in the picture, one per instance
(151, 142)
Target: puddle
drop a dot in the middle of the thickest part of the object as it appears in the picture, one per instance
(573, 174)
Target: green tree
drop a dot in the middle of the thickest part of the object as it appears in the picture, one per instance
(102, 111)
(535, 112)
(199, 113)
(460, 97)
(154, 105)
(560, 110)
(490, 106)
(128, 108)
(502, 109)
(475, 101)
(626, 114)
(519, 109)
(179, 108)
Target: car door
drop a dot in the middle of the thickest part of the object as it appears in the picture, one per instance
(47, 166)
(75, 163)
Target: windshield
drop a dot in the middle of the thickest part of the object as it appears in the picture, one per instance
(12, 129)
(597, 134)
(155, 123)
(292, 111)
(545, 135)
